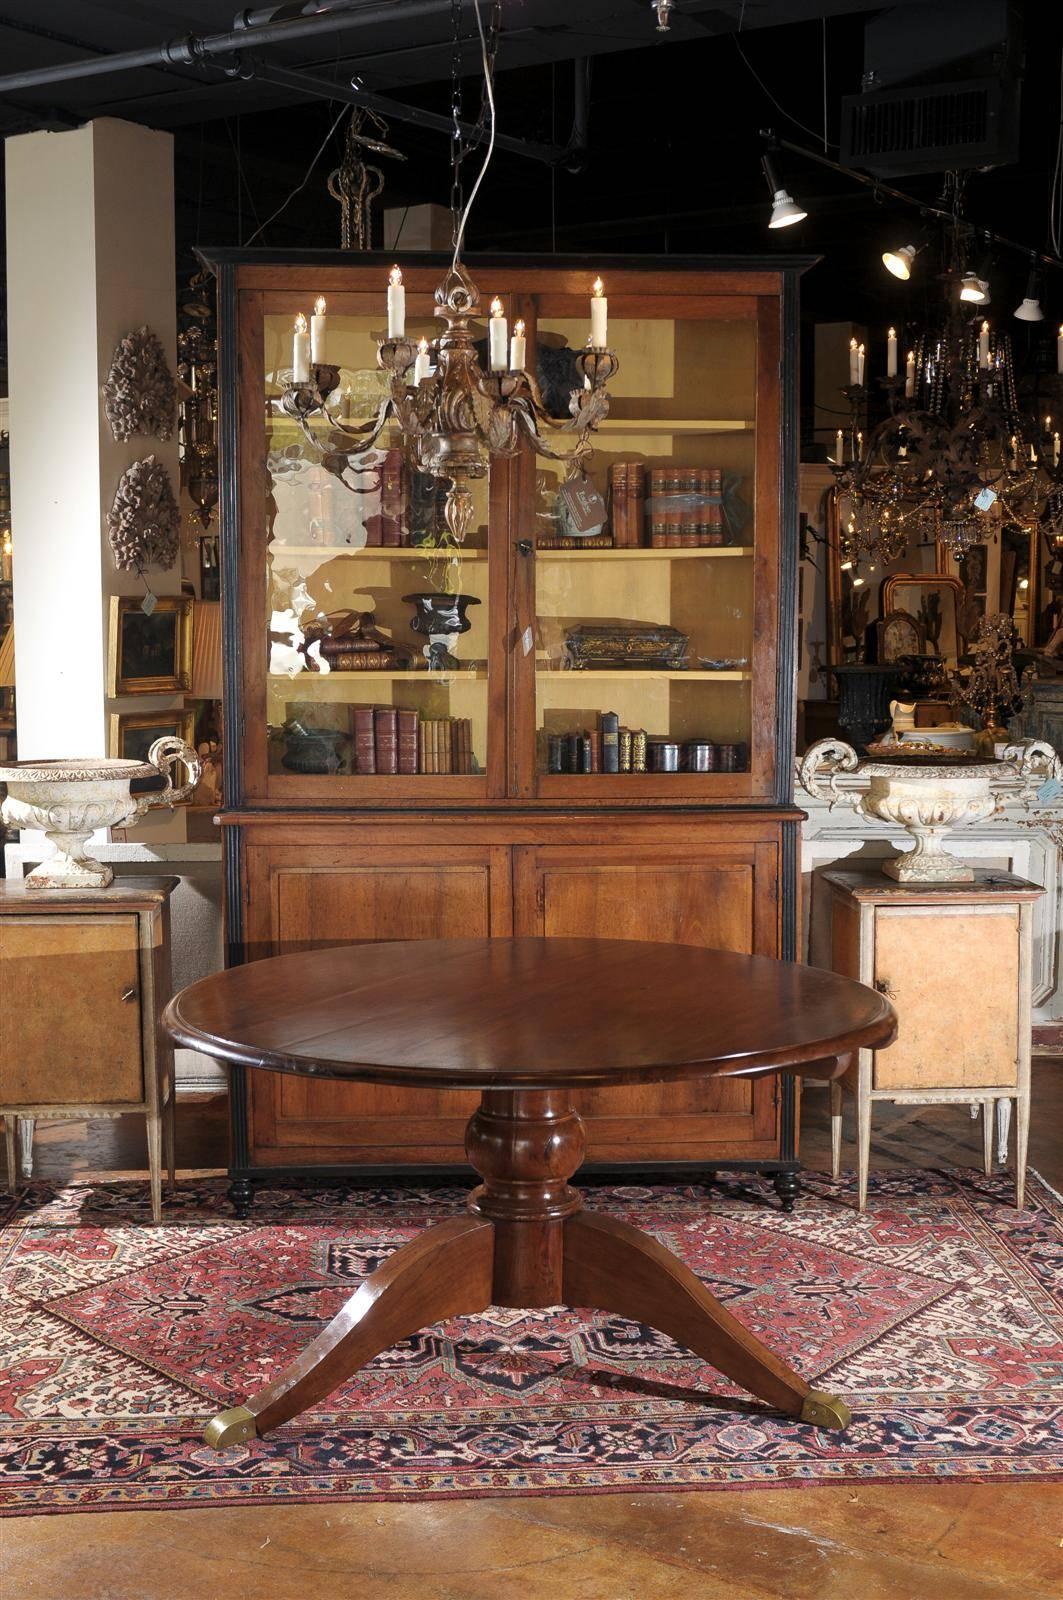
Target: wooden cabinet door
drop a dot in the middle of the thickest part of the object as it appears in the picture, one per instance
(953, 975)
(721, 896)
(305, 897)
(70, 1020)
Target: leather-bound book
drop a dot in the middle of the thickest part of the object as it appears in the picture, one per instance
(638, 750)
(610, 741)
(553, 752)
(406, 723)
(468, 745)
(585, 753)
(364, 739)
(625, 749)
(385, 729)
(423, 737)
(596, 749)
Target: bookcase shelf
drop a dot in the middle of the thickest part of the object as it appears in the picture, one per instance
(374, 552)
(674, 426)
(645, 553)
(381, 674)
(643, 675)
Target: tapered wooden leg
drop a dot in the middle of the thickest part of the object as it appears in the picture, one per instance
(9, 1139)
(835, 1129)
(169, 1138)
(611, 1266)
(1022, 1140)
(444, 1272)
(1003, 1131)
(26, 1126)
(155, 1164)
(988, 1110)
(863, 1129)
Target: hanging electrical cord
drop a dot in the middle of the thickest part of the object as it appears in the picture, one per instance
(486, 118)
(1055, 193)
(285, 203)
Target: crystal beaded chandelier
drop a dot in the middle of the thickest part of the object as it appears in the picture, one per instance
(957, 452)
(452, 414)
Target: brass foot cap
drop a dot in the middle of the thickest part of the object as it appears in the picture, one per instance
(229, 1428)
(822, 1410)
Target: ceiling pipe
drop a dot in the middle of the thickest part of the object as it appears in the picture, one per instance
(300, 82)
(297, 21)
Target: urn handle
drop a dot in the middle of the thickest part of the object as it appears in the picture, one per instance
(818, 770)
(1034, 763)
(163, 754)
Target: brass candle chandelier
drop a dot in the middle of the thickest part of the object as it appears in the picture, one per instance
(453, 415)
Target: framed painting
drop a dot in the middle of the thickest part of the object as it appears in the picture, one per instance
(134, 732)
(150, 654)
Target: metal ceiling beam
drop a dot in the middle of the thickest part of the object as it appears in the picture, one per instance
(300, 82)
(328, 16)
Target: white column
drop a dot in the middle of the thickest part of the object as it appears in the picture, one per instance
(90, 256)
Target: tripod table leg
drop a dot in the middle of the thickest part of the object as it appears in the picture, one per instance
(444, 1272)
(611, 1266)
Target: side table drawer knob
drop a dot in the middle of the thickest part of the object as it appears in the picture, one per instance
(129, 994)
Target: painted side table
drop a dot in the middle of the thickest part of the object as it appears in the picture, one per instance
(955, 961)
(84, 974)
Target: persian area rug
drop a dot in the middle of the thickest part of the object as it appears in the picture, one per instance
(937, 1315)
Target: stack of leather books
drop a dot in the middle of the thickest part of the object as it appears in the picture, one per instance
(685, 508)
(446, 745)
(392, 739)
(627, 495)
(606, 748)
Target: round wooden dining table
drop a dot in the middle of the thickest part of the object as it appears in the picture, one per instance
(526, 1022)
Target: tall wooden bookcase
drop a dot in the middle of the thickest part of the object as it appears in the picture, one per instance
(707, 380)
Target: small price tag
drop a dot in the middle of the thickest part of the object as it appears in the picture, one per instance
(1050, 790)
(148, 604)
(527, 641)
(985, 499)
(585, 506)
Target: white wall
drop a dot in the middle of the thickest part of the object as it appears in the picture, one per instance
(90, 256)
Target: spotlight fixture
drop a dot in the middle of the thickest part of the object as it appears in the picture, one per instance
(899, 262)
(974, 289)
(1030, 309)
(974, 285)
(784, 208)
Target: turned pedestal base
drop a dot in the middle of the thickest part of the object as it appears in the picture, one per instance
(526, 1242)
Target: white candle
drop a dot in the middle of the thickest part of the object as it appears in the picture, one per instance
(1059, 351)
(498, 336)
(1014, 444)
(859, 445)
(909, 375)
(853, 359)
(1033, 456)
(860, 365)
(317, 333)
(1055, 449)
(891, 353)
(518, 348)
(600, 316)
(422, 366)
(839, 448)
(396, 305)
(983, 346)
(300, 351)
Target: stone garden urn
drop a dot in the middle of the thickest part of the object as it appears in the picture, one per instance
(927, 799)
(68, 800)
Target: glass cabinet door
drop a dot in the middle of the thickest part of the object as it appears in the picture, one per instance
(376, 632)
(650, 651)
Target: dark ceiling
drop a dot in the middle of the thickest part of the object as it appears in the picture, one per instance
(673, 150)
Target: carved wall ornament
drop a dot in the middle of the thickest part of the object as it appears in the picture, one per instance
(140, 395)
(144, 521)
